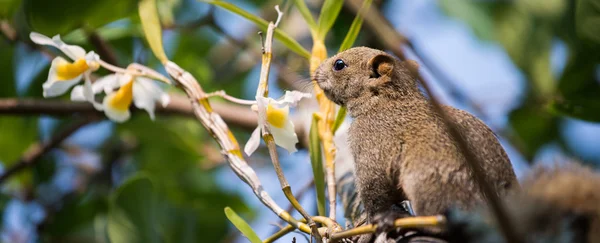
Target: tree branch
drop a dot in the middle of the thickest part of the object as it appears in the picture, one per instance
(241, 116)
(35, 151)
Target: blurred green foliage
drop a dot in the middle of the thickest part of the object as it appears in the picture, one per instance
(528, 30)
(154, 186)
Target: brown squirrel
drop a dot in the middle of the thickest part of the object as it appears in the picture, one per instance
(401, 147)
(556, 204)
(567, 194)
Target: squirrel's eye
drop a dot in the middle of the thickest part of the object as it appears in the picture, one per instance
(339, 65)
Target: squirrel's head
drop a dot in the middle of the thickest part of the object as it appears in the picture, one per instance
(362, 72)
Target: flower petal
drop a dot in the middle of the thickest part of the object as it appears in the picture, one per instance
(292, 98)
(107, 83)
(85, 93)
(72, 51)
(285, 137)
(253, 142)
(77, 93)
(54, 87)
(89, 94)
(40, 39)
(146, 93)
(277, 116)
(113, 113)
(92, 59)
(165, 99)
(261, 104)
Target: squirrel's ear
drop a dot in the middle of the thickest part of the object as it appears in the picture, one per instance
(381, 65)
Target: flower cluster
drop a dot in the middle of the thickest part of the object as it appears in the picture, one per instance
(121, 88)
(277, 120)
(126, 86)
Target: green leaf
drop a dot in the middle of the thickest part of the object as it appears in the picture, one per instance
(534, 127)
(316, 160)
(171, 139)
(301, 5)
(60, 17)
(75, 214)
(241, 225)
(107, 33)
(18, 134)
(8, 8)
(133, 212)
(151, 25)
(579, 76)
(355, 28)
(587, 20)
(263, 24)
(329, 12)
(339, 118)
(7, 64)
(581, 108)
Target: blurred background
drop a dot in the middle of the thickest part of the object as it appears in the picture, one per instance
(528, 68)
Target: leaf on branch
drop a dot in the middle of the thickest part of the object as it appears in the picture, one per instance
(316, 161)
(355, 28)
(301, 5)
(133, 212)
(242, 225)
(152, 29)
(329, 13)
(262, 24)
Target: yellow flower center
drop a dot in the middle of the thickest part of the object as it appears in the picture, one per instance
(123, 97)
(277, 116)
(66, 71)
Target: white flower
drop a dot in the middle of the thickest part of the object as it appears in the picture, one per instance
(64, 74)
(278, 121)
(143, 92)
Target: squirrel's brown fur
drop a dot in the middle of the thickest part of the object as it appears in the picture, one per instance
(551, 194)
(401, 147)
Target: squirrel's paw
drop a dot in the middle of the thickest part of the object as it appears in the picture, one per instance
(385, 222)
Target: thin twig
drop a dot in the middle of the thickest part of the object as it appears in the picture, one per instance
(241, 116)
(104, 50)
(8, 31)
(303, 190)
(224, 95)
(263, 91)
(37, 150)
(219, 130)
(410, 222)
(332, 226)
(393, 40)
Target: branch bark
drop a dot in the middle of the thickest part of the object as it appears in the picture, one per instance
(35, 151)
(237, 115)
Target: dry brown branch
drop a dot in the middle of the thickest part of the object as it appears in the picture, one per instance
(36, 150)
(219, 130)
(241, 116)
(237, 115)
(263, 91)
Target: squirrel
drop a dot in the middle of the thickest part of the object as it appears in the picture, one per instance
(560, 204)
(401, 146)
(569, 192)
